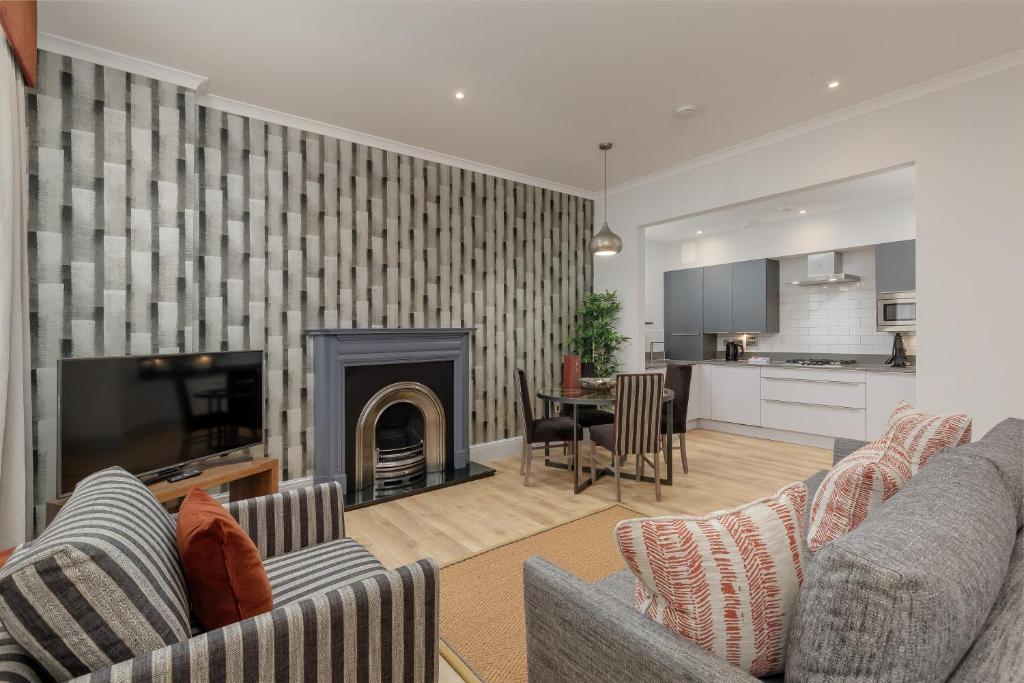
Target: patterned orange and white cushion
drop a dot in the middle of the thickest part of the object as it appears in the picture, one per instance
(728, 581)
(858, 484)
(916, 436)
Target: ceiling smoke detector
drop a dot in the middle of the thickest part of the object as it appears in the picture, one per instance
(684, 110)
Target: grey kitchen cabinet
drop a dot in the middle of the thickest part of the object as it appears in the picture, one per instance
(895, 266)
(755, 296)
(718, 299)
(684, 306)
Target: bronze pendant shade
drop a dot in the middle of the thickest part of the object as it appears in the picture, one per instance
(605, 242)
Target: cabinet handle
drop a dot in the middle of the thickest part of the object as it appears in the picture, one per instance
(685, 334)
(801, 403)
(816, 381)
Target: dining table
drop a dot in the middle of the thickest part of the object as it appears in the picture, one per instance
(570, 399)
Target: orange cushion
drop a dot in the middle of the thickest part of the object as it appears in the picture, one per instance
(6, 555)
(223, 568)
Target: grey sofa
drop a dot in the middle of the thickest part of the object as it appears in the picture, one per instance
(929, 588)
(338, 613)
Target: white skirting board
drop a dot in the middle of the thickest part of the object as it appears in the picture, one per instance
(800, 438)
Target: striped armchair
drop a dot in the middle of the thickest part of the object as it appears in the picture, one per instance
(338, 614)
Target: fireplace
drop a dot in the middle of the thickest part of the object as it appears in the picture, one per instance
(391, 411)
(399, 437)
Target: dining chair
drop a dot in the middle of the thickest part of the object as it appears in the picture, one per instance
(540, 433)
(678, 378)
(636, 429)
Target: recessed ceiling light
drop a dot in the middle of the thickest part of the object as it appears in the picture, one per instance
(803, 211)
(459, 95)
(700, 232)
(795, 282)
(833, 85)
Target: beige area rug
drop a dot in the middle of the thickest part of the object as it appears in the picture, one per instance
(482, 623)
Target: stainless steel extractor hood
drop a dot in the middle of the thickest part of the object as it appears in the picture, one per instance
(826, 268)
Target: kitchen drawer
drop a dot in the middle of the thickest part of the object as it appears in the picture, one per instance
(815, 374)
(813, 419)
(813, 391)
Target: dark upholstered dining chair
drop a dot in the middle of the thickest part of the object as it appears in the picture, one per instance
(540, 432)
(636, 429)
(678, 378)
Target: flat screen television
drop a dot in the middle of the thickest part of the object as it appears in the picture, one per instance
(152, 415)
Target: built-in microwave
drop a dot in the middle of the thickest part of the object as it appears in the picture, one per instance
(897, 312)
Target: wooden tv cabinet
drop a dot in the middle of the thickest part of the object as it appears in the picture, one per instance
(245, 479)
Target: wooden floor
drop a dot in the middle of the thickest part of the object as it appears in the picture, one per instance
(451, 524)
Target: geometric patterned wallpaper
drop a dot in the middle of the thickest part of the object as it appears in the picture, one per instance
(157, 226)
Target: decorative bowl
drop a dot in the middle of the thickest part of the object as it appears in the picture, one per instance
(598, 383)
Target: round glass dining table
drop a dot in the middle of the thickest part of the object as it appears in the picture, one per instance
(570, 401)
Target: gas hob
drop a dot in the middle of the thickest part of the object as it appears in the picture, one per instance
(828, 362)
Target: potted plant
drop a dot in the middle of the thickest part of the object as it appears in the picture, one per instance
(595, 339)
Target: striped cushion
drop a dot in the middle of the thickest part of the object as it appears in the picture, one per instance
(858, 484)
(727, 581)
(916, 436)
(314, 570)
(101, 584)
(17, 665)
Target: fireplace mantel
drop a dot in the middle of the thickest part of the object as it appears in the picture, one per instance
(338, 349)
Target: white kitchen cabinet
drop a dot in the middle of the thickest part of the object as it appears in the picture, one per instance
(884, 392)
(736, 394)
(699, 406)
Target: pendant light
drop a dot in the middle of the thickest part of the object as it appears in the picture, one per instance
(605, 242)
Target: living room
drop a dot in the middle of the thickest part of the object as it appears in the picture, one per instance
(354, 341)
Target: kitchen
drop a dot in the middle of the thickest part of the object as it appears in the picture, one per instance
(797, 311)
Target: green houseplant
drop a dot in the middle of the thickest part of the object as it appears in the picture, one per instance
(595, 339)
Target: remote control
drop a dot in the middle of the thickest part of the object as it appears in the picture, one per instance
(184, 474)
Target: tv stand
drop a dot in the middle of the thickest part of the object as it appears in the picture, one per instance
(246, 479)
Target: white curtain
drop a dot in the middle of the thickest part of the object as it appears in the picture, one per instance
(15, 471)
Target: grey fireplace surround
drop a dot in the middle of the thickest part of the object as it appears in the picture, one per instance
(334, 350)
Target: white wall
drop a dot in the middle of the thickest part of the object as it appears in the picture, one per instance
(966, 142)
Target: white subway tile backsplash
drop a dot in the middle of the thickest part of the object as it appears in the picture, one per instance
(830, 318)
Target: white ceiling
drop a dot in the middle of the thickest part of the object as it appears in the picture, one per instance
(545, 82)
(891, 186)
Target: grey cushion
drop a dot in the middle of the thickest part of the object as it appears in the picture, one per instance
(812, 483)
(101, 584)
(1003, 446)
(318, 569)
(902, 597)
(998, 653)
(841, 449)
(16, 664)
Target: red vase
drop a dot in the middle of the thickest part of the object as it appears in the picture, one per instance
(571, 372)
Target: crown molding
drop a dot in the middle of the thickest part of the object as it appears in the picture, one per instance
(230, 106)
(116, 60)
(971, 73)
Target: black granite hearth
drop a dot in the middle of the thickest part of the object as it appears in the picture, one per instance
(369, 496)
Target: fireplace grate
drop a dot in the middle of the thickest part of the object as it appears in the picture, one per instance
(399, 467)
